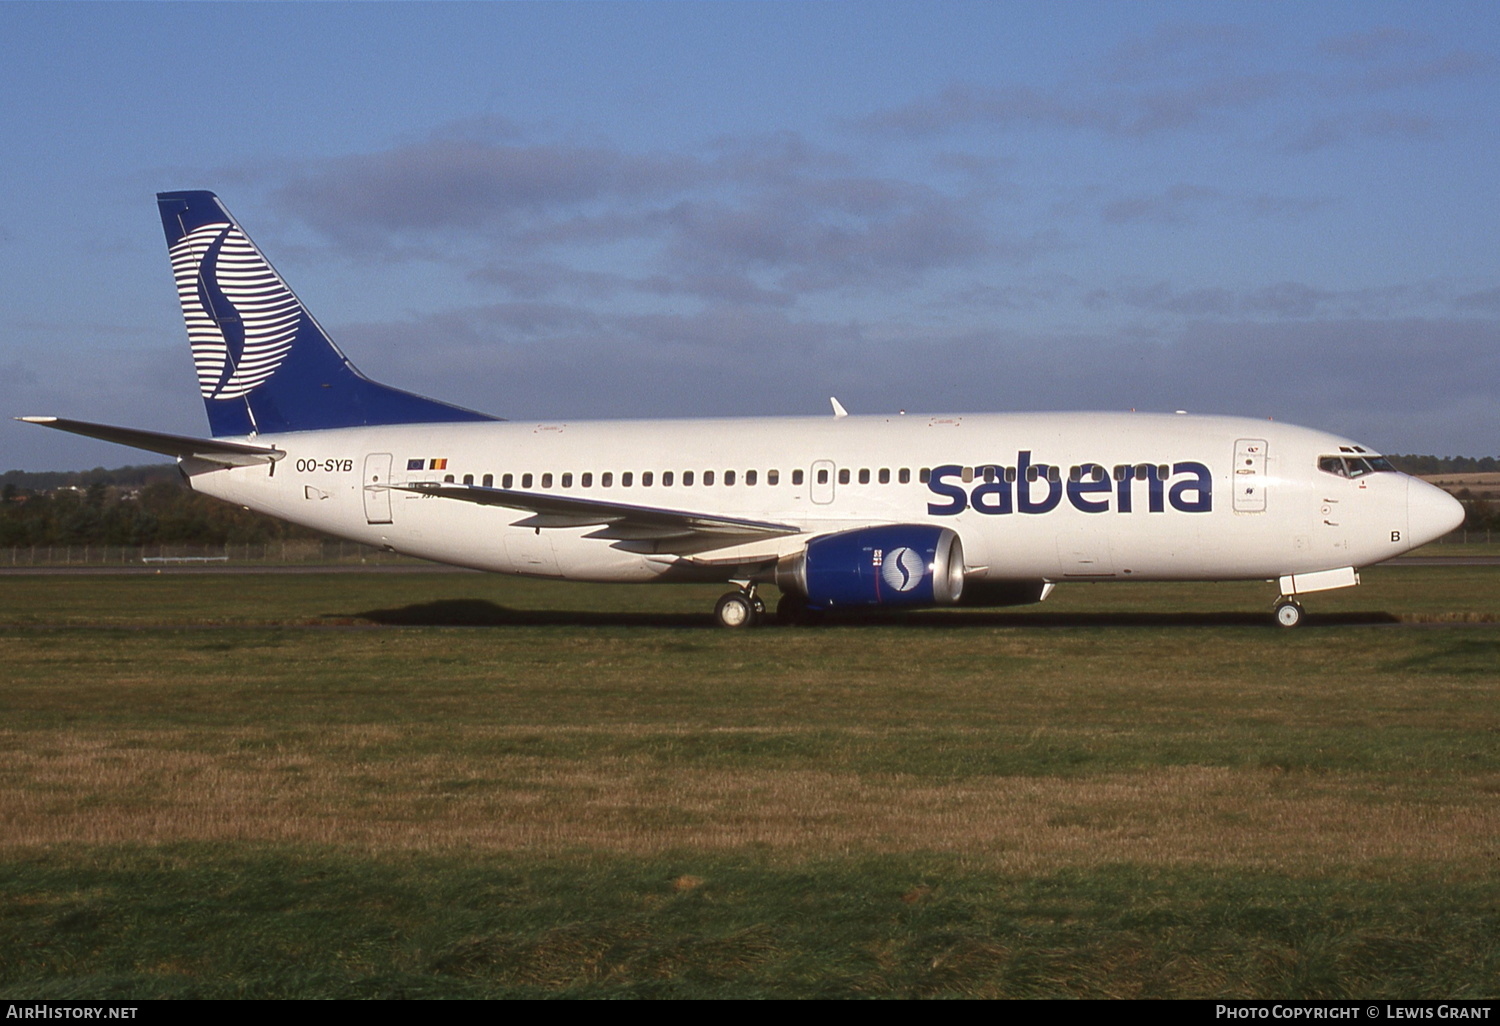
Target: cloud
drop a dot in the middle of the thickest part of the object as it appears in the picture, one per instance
(1486, 300)
(963, 103)
(1375, 44)
(446, 184)
(1289, 300)
(1195, 77)
(1389, 58)
(1178, 50)
(1334, 130)
(1174, 206)
(1183, 203)
(754, 221)
(1176, 78)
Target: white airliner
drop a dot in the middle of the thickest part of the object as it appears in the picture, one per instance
(835, 511)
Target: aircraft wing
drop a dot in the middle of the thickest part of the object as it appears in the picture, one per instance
(211, 450)
(662, 530)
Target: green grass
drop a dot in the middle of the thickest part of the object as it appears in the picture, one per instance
(1129, 791)
(290, 924)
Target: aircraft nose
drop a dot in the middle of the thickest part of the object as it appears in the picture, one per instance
(1430, 512)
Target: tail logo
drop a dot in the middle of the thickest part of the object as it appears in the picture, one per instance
(241, 317)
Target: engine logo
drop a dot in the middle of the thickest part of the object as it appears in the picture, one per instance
(902, 569)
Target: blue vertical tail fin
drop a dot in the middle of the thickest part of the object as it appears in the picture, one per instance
(264, 364)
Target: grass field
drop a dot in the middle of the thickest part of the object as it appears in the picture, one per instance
(458, 785)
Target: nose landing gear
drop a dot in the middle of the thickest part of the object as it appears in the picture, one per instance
(1288, 612)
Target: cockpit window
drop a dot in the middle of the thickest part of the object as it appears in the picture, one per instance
(1354, 466)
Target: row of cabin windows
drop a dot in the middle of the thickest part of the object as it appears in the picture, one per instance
(989, 474)
(668, 478)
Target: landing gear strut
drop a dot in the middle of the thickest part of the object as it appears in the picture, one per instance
(739, 608)
(1288, 612)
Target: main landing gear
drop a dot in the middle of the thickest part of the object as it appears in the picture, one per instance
(739, 608)
(1288, 612)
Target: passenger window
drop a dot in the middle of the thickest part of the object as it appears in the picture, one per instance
(708, 477)
(627, 479)
(1053, 474)
(646, 479)
(666, 479)
(525, 480)
(606, 479)
(864, 475)
(967, 475)
(903, 476)
(843, 475)
(728, 477)
(588, 480)
(1010, 475)
(488, 481)
(447, 479)
(567, 480)
(773, 477)
(1122, 472)
(796, 477)
(1075, 473)
(749, 477)
(687, 478)
(989, 475)
(1031, 473)
(885, 475)
(924, 475)
(507, 481)
(547, 480)
(823, 476)
(468, 479)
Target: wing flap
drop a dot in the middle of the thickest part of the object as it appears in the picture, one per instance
(616, 521)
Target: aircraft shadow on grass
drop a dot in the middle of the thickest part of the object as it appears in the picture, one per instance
(483, 613)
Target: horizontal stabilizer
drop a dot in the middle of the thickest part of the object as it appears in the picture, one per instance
(211, 450)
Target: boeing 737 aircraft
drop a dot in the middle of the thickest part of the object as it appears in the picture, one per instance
(835, 511)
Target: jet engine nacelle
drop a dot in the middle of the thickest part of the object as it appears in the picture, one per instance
(890, 565)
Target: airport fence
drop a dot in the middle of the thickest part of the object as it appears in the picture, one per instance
(1465, 537)
(330, 552)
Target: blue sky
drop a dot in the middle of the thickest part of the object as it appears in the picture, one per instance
(572, 210)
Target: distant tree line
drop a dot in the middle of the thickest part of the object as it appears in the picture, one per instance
(1446, 464)
(150, 505)
(147, 505)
